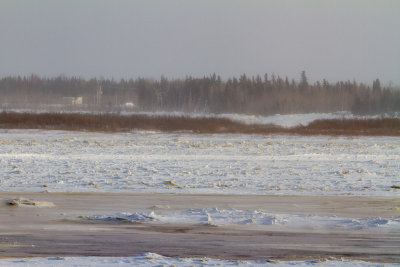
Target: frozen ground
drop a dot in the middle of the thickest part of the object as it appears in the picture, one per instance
(152, 259)
(149, 162)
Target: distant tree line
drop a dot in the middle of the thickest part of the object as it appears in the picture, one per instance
(265, 95)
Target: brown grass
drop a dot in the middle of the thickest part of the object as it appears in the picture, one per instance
(117, 123)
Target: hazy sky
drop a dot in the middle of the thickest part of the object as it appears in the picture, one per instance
(336, 40)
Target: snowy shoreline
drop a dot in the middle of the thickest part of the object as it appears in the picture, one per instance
(284, 120)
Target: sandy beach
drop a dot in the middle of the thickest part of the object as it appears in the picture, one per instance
(63, 230)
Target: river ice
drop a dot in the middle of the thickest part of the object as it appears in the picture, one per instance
(151, 162)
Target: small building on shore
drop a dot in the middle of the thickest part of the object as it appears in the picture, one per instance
(73, 101)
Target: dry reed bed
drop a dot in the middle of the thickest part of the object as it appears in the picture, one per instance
(122, 123)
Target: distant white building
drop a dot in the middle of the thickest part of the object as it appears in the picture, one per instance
(77, 101)
(128, 106)
(73, 101)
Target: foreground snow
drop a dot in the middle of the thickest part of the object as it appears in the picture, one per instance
(149, 162)
(152, 259)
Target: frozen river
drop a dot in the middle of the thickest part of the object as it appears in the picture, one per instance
(148, 162)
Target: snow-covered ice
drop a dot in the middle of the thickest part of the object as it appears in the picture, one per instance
(149, 162)
(210, 216)
(153, 259)
(218, 217)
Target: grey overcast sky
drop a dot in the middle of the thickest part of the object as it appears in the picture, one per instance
(332, 39)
